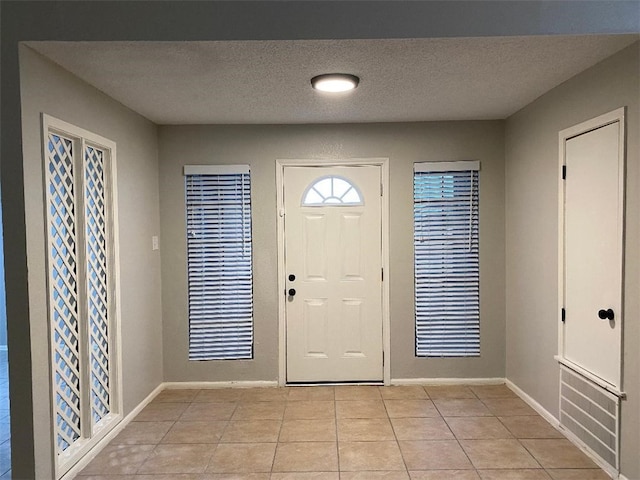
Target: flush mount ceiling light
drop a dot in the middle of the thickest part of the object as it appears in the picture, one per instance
(335, 82)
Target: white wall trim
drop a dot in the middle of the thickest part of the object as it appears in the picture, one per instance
(212, 385)
(608, 469)
(448, 381)
(86, 459)
(383, 163)
(104, 441)
(215, 169)
(544, 413)
(97, 448)
(457, 166)
(590, 376)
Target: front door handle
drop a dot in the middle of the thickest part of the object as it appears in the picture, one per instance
(606, 314)
(292, 292)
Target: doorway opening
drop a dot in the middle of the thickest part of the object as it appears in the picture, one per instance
(591, 259)
(332, 253)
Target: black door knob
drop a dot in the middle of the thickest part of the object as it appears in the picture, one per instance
(292, 292)
(292, 277)
(606, 314)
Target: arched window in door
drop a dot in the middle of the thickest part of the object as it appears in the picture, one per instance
(332, 190)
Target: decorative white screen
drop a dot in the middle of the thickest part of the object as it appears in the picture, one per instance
(63, 289)
(81, 288)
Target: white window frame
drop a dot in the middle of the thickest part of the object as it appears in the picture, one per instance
(471, 302)
(243, 324)
(324, 203)
(92, 433)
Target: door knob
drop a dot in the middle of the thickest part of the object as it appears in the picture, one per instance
(606, 314)
(292, 292)
(292, 277)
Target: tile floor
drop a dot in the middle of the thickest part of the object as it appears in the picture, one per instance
(340, 433)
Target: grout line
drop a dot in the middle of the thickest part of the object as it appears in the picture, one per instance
(339, 471)
(275, 451)
(404, 462)
(530, 453)
(335, 412)
(335, 418)
(475, 469)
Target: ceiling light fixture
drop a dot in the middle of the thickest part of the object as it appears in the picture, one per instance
(335, 82)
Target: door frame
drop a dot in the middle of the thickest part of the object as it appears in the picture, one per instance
(614, 116)
(281, 164)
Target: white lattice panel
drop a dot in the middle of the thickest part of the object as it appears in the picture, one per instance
(63, 289)
(79, 168)
(96, 257)
(591, 414)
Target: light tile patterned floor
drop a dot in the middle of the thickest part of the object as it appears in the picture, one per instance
(341, 433)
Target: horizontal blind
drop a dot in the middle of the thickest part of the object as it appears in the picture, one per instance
(446, 261)
(219, 262)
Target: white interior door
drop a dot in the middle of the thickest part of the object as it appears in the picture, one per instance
(333, 260)
(593, 252)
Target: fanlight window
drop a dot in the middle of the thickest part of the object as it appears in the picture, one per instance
(332, 190)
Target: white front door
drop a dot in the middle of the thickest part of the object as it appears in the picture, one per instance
(593, 251)
(333, 264)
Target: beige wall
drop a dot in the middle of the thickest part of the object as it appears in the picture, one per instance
(530, 196)
(260, 146)
(213, 20)
(47, 88)
(532, 233)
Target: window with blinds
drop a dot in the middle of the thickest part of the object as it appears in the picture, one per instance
(446, 260)
(219, 266)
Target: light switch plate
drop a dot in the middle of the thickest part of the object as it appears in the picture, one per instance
(155, 244)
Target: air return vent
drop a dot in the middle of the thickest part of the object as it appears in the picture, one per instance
(591, 414)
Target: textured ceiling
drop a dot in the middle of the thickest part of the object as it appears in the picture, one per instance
(264, 82)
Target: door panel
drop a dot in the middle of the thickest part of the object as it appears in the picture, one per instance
(593, 252)
(315, 247)
(334, 320)
(351, 333)
(350, 240)
(316, 327)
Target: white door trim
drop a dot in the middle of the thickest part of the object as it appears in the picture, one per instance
(280, 166)
(614, 116)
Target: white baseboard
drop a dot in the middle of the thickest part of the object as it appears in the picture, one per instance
(84, 461)
(447, 381)
(211, 385)
(608, 469)
(77, 468)
(91, 454)
(543, 412)
(334, 384)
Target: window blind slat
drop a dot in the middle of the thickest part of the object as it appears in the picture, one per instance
(446, 261)
(219, 264)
